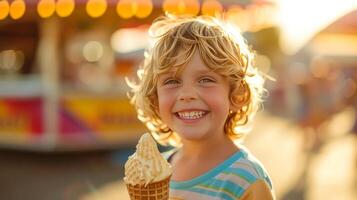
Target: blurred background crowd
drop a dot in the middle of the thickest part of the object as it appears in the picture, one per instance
(66, 125)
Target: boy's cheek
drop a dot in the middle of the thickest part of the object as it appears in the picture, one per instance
(164, 105)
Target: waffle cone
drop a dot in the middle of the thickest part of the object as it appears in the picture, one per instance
(152, 191)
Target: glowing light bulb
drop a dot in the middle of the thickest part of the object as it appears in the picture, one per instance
(46, 8)
(4, 9)
(181, 7)
(124, 9)
(64, 8)
(144, 8)
(192, 7)
(96, 8)
(17, 9)
(170, 6)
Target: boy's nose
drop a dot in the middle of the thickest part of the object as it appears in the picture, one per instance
(187, 93)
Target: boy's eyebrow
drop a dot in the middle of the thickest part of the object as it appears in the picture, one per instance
(204, 71)
(169, 73)
(165, 75)
(200, 72)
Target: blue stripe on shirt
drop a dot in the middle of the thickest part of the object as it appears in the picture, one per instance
(227, 186)
(206, 176)
(242, 173)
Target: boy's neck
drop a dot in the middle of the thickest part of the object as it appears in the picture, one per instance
(208, 148)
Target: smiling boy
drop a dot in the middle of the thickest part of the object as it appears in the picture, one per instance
(197, 90)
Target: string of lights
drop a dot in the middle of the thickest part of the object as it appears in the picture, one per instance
(15, 9)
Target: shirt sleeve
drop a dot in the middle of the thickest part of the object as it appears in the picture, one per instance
(258, 191)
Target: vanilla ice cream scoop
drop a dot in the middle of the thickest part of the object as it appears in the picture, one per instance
(146, 165)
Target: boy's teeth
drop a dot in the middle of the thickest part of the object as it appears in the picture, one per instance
(191, 115)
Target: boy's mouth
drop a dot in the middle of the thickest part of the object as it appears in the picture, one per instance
(191, 115)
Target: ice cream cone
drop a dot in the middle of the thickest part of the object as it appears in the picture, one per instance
(147, 172)
(152, 191)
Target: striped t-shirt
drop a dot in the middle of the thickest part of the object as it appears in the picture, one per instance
(229, 180)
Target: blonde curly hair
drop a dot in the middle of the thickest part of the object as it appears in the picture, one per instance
(222, 49)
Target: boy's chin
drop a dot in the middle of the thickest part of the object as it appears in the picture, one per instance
(191, 136)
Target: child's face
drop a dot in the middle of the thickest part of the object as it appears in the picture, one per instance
(195, 103)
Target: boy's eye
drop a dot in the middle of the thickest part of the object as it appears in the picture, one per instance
(171, 81)
(206, 80)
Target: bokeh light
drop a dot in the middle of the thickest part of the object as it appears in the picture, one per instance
(127, 40)
(64, 8)
(17, 9)
(192, 7)
(96, 8)
(11, 60)
(188, 7)
(46, 8)
(7, 59)
(124, 9)
(144, 8)
(169, 6)
(93, 51)
(4, 9)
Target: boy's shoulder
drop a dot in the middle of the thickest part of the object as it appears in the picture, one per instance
(245, 166)
(249, 167)
(229, 180)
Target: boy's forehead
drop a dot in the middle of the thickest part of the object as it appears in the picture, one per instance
(194, 61)
(177, 70)
(172, 71)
